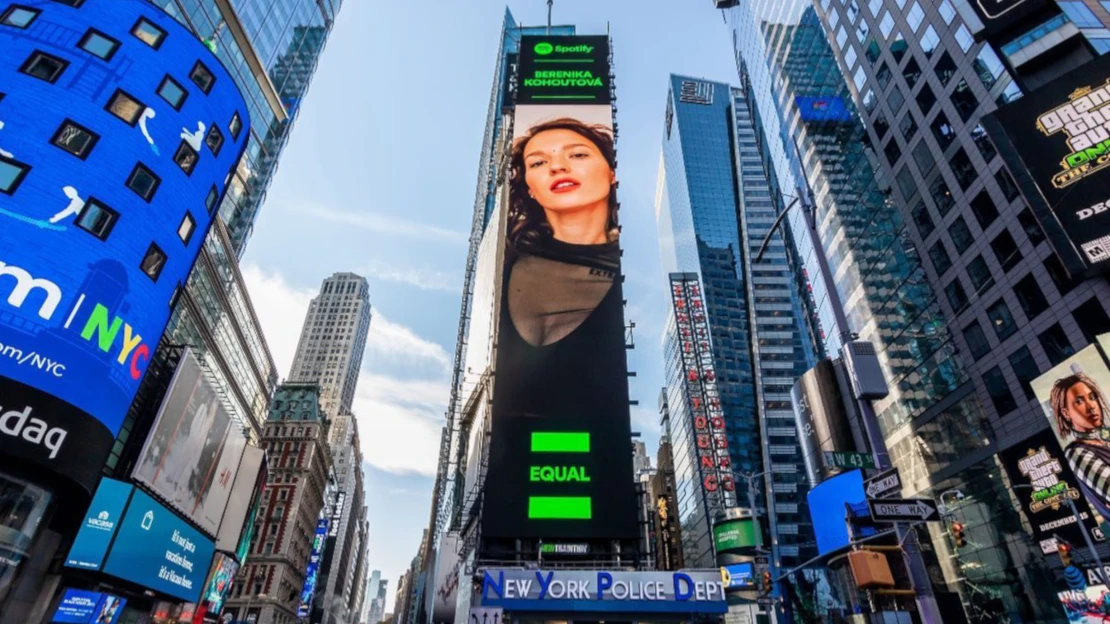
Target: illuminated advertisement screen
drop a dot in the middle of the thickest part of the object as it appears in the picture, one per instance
(1073, 398)
(79, 606)
(563, 69)
(825, 108)
(223, 574)
(110, 172)
(192, 454)
(1055, 145)
(1085, 606)
(159, 550)
(559, 465)
(99, 526)
(1039, 464)
(312, 572)
(827, 509)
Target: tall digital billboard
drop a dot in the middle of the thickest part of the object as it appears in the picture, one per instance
(1055, 142)
(312, 572)
(100, 524)
(114, 152)
(560, 461)
(192, 454)
(79, 606)
(1073, 397)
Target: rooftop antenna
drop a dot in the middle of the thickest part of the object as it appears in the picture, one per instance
(549, 4)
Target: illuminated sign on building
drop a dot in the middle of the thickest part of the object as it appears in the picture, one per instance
(312, 572)
(700, 379)
(563, 69)
(604, 591)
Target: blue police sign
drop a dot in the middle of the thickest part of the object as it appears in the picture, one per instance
(118, 133)
(594, 591)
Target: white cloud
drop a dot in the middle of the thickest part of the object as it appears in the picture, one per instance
(381, 224)
(401, 412)
(424, 279)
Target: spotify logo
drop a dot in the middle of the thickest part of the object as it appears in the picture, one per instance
(543, 48)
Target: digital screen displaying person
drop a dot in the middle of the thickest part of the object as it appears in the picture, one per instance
(1080, 409)
(562, 231)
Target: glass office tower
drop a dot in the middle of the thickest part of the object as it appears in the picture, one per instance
(714, 209)
(936, 258)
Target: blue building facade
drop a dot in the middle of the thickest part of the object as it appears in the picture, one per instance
(119, 132)
(717, 205)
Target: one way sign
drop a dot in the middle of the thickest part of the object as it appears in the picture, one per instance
(903, 510)
(883, 483)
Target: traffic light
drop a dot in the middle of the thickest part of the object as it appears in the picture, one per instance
(766, 584)
(958, 537)
(1065, 554)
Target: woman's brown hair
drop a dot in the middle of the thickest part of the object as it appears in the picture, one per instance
(527, 221)
(1059, 400)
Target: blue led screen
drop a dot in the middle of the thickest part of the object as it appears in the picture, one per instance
(313, 568)
(118, 129)
(79, 606)
(100, 524)
(825, 108)
(826, 508)
(157, 549)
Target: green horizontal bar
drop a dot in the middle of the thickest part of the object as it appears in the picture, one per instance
(559, 508)
(560, 442)
(564, 60)
(564, 97)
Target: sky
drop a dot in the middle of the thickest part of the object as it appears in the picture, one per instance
(378, 178)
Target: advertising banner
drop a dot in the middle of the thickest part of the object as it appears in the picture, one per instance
(821, 415)
(192, 454)
(559, 462)
(308, 590)
(445, 590)
(102, 214)
(245, 493)
(101, 520)
(79, 606)
(594, 591)
(1073, 399)
(1039, 462)
(829, 108)
(735, 535)
(1057, 147)
(827, 509)
(219, 584)
(1085, 606)
(156, 549)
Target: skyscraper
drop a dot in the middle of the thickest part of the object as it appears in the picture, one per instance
(736, 337)
(333, 340)
(268, 587)
(909, 173)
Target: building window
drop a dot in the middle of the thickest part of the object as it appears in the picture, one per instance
(1009, 188)
(964, 100)
(97, 219)
(923, 219)
(898, 47)
(1059, 276)
(172, 92)
(186, 158)
(1056, 345)
(930, 41)
(202, 77)
(12, 173)
(235, 127)
(999, 391)
(923, 156)
(942, 196)
(1025, 368)
(943, 131)
(976, 340)
(125, 107)
(143, 181)
(896, 100)
(945, 69)
(957, 298)
(905, 180)
(908, 126)
(44, 66)
(912, 72)
(886, 24)
(186, 229)
(1030, 297)
(980, 274)
(1006, 250)
(893, 152)
(983, 143)
(212, 199)
(98, 44)
(915, 17)
(939, 255)
(147, 32)
(214, 140)
(1080, 14)
(75, 139)
(1032, 228)
(883, 75)
(1091, 319)
(1001, 319)
(153, 262)
(962, 169)
(984, 209)
(19, 16)
(961, 234)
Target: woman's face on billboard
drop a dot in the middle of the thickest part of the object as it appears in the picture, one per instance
(566, 172)
(1083, 409)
